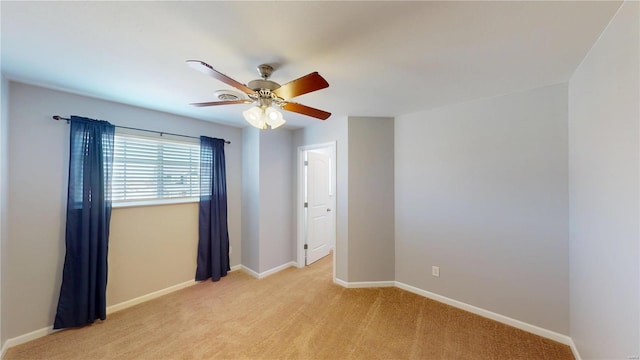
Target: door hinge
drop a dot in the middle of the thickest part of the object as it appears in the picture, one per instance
(306, 163)
(306, 204)
(306, 246)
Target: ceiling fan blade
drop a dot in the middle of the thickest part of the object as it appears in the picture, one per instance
(207, 69)
(225, 102)
(300, 86)
(306, 110)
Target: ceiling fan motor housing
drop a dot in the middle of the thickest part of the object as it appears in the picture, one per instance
(264, 86)
(264, 92)
(260, 84)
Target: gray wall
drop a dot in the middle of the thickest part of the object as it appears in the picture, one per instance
(251, 198)
(151, 248)
(37, 175)
(4, 119)
(276, 193)
(364, 161)
(267, 198)
(332, 129)
(604, 191)
(371, 199)
(481, 192)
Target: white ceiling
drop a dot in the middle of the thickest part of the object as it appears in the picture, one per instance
(382, 58)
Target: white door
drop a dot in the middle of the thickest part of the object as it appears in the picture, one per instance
(319, 211)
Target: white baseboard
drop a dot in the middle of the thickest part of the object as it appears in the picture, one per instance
(147, 297)
(272, 271)
(250, 272)
(26, 338)
(277, 269)
(574, 350)
(364, 284)
(563, 339)
(340, 282)
(236, 267)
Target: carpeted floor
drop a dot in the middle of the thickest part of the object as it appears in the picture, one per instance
(294, 314)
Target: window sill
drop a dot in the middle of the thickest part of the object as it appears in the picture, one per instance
(154, 202)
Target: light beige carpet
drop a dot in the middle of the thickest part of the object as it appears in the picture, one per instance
(294, 314)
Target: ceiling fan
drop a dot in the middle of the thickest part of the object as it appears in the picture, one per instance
(267, 95)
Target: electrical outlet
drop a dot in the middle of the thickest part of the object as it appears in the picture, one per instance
(230, 250)
(435, 271)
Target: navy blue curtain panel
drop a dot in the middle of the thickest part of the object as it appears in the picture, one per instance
(84, 276)
(213, 232)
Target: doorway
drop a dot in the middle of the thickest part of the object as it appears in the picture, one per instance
(316, 203)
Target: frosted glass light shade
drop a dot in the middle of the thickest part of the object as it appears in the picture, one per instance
(273, 117)
(260, 118)
(255, 117)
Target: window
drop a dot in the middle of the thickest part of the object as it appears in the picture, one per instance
(154, 170)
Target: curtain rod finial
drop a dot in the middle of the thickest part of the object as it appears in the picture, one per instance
(58, 118)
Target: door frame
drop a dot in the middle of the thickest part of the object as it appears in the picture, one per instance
(331, 147)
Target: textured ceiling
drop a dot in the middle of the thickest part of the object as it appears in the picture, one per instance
(382, 58)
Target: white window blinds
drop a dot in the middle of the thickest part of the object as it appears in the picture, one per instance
(147, 168)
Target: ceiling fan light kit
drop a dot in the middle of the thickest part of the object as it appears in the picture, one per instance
(266, 95)
(260, 118)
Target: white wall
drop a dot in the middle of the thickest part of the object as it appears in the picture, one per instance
(37, 175)
(332, 129)
(604, 193)
(481, 192)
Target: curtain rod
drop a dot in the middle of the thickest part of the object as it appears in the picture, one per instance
(57, 117)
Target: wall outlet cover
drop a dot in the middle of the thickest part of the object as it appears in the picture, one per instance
(435, 271)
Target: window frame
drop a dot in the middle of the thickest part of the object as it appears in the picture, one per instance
(159, 200)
